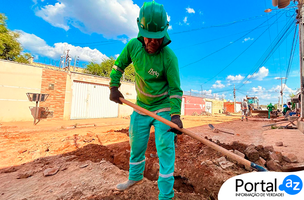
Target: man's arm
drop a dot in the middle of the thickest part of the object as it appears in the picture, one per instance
(119, 67)
(175, 91)
(176, 94)
(121, 63)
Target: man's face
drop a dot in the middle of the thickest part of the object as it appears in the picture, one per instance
(152, 45)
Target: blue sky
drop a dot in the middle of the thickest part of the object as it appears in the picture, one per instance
(219, 44)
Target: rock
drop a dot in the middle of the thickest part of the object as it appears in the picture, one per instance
(25, 174)
(221, 159)
(239, 153)
(50, 171)
(269, 148)
(251, 153)
(273, 166)
(290, 158)
(83, 166)
(259, 148)
(207, 162)
(293, 167)
(276, 156)
(261, 162)
(225, 164)
(279, 144)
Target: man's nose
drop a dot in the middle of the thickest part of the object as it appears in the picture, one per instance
(153, 41)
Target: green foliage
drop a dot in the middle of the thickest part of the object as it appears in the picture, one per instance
(23, 58)
(291, 95)
(10, 48)
(104, 69)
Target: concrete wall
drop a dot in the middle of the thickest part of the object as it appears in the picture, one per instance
(193, 105)
(217, 105)
(18, 79)
(15, 81)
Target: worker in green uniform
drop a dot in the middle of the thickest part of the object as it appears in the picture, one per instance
(270, 107)
(157, 84)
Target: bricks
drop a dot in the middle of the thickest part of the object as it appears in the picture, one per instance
(55, 101)
(251, 153)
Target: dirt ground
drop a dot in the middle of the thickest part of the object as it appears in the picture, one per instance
(55, 160)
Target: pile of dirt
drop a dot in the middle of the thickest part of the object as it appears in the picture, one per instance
(197, 169)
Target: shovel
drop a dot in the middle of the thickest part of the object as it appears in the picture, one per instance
(210, 144)
(215, 130)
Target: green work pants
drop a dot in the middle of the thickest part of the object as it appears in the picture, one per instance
(269, 114)
(140, 126)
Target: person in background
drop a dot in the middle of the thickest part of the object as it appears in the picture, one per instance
(285, 109)
(270, 107)
(245, 109)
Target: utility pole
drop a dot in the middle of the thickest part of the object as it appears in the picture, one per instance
(281, 89)
(301, 34)
(279, 102)
(234, 99)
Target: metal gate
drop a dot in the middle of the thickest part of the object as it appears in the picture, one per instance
(208, 107)
(92, 101)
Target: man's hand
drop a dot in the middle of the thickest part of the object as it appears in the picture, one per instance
(115, 94)
(176, 120)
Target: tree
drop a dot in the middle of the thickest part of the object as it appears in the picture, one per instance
(10, 48)
(23, 58)
(104, 69)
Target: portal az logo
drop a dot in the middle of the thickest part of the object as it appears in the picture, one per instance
(292, 185)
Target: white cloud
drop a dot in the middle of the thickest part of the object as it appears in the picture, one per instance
(116, 55)
(286, 89)
(262, 73)
(270, 94)
(247, 39)
(111, 18)
(36, 45)
(207, 92)
(218, 84)
(168, 18)
(185, 19)
(235, 78)
(261, 93)
(190, 10)
(55, 15)
(258, 89)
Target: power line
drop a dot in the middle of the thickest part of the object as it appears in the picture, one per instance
(224, 46)
(105, 42)
(271, 49)
(241, 52)
(225, 24)
(292, 51)
(204, 42)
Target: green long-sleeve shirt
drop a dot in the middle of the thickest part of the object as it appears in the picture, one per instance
(157, 79)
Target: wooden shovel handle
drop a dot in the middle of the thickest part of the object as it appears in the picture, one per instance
(212, 145)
